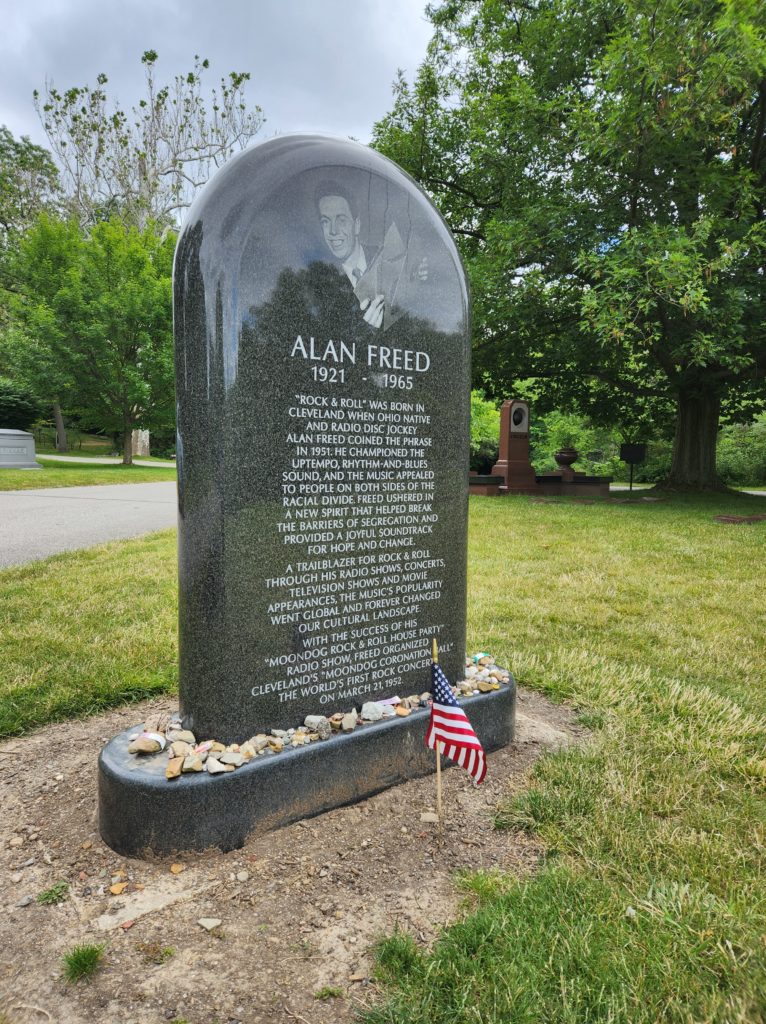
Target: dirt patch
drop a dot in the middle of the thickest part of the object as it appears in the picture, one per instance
(299, 908)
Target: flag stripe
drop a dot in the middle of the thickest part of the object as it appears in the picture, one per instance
(457, 734)
(457, 725)
(451, 737)
(448, 712)
(455, 720)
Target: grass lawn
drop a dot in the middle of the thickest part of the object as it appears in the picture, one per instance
(650, 904)
(651, 901)
(87, 630)
(78, 474)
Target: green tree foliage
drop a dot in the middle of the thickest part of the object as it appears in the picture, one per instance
(598, 447)
(95, 297)
(604, 168)
(148, 163)
(742, 452)
(94, 325)
(28, 185)
(485, 432)
(18, 405)
(37, 327)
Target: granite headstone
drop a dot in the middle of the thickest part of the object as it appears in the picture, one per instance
(17, 450)
(323, 380)
(322, 357)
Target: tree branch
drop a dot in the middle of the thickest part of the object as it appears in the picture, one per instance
(453, 186)
(470, 232)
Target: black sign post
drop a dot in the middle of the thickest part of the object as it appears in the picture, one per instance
(634, 455)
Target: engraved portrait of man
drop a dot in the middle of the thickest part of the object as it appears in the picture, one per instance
(378, 277)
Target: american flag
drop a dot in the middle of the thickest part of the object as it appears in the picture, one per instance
(450, 727)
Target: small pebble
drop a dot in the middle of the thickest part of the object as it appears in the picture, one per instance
(372, 711)
(215, 767)
(234, 758)
(182, 736)
(146, 745)
(319, 724)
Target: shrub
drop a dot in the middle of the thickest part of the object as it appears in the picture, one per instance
(742, 452)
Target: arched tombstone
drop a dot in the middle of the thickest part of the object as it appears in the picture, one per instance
(323, 388)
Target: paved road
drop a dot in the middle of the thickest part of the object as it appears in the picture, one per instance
(99, 460)
(38, 523)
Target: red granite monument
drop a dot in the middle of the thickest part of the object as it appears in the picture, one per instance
(513, 464)
(513, 473)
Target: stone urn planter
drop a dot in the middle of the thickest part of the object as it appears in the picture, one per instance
(566, 456)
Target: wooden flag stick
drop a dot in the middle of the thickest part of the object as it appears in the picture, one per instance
(435, 659)
(439, 782)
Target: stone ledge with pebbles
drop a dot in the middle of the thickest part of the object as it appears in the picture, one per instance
(188, 756)
(292, 777)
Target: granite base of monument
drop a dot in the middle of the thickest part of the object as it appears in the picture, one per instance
(142, 814)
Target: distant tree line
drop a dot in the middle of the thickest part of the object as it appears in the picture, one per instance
(741, 447)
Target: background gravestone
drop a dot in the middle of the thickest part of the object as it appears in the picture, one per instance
(322, 459)
(17, 450)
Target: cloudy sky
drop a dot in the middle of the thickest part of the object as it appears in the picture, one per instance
(317, 65)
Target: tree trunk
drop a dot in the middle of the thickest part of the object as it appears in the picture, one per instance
(694, 446)
(58, 419)
(127, 441)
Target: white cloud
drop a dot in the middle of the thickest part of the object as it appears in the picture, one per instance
(315, 66)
